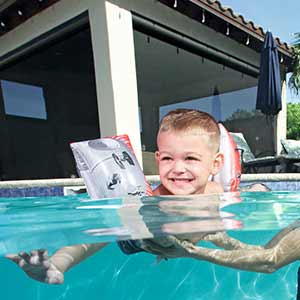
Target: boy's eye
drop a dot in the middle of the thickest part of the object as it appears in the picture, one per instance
(166, 158)
(192, 158)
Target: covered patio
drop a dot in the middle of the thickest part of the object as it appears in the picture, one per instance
(114, 67)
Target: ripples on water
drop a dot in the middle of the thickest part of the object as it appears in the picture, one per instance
(53, 222)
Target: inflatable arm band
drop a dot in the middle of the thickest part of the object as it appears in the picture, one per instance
(109, 168)
(230, 175)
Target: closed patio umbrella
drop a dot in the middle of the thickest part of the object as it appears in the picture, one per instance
(269, 86)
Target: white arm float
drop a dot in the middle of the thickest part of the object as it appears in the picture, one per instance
(109, 168)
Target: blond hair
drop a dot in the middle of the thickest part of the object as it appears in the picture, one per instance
(191, 120)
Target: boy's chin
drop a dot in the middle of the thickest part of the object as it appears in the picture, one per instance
(182, 191)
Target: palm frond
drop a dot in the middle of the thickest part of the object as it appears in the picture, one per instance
(297, 38)
(294, 81)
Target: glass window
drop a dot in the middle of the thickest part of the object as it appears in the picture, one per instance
(223, 107)
(23, 100)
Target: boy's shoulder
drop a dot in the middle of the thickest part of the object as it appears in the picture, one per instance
(213, 187)
(160, 190)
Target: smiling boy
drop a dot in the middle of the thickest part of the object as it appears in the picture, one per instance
(188, 153)
(188, 157)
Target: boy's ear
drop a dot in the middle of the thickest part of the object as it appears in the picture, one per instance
(218, 163)
(157, 154)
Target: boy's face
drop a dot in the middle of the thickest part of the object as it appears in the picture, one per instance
(185, 162)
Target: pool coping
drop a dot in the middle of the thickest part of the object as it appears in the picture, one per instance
(78, 182)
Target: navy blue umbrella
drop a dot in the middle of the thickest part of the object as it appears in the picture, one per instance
(269, 85)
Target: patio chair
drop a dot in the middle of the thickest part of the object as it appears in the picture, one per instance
(291, 155)
(249, 162)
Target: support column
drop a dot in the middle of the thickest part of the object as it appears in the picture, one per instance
(115, 72)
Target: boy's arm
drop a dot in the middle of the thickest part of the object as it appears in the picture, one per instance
(39, 266)
(283, 249)
(69, 256)
(223, 240)
(263, 260)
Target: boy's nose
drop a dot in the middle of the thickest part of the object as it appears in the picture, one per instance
(179, 166)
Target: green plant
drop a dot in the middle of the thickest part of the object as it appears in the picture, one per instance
(293, 124)
(294, 82)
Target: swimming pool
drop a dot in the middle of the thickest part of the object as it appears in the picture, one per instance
(112, 275)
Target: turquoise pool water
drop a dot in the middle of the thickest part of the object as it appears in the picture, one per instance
(112, 275)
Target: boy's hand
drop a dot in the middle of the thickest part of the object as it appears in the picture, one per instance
(38, 266)
(175, 249)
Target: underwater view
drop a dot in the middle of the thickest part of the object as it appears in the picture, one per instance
(54, 222)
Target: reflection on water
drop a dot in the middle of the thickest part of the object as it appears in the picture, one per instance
(52, 222)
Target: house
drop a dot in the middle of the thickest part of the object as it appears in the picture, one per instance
(74, 70)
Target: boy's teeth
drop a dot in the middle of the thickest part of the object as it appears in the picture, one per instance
(181, 179)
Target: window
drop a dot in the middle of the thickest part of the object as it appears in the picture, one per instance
(223, 107)
(23, 100)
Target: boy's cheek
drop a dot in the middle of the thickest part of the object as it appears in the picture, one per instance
(163, 165)
(161, 169)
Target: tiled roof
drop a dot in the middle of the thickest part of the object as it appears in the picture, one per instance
(227, 11)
